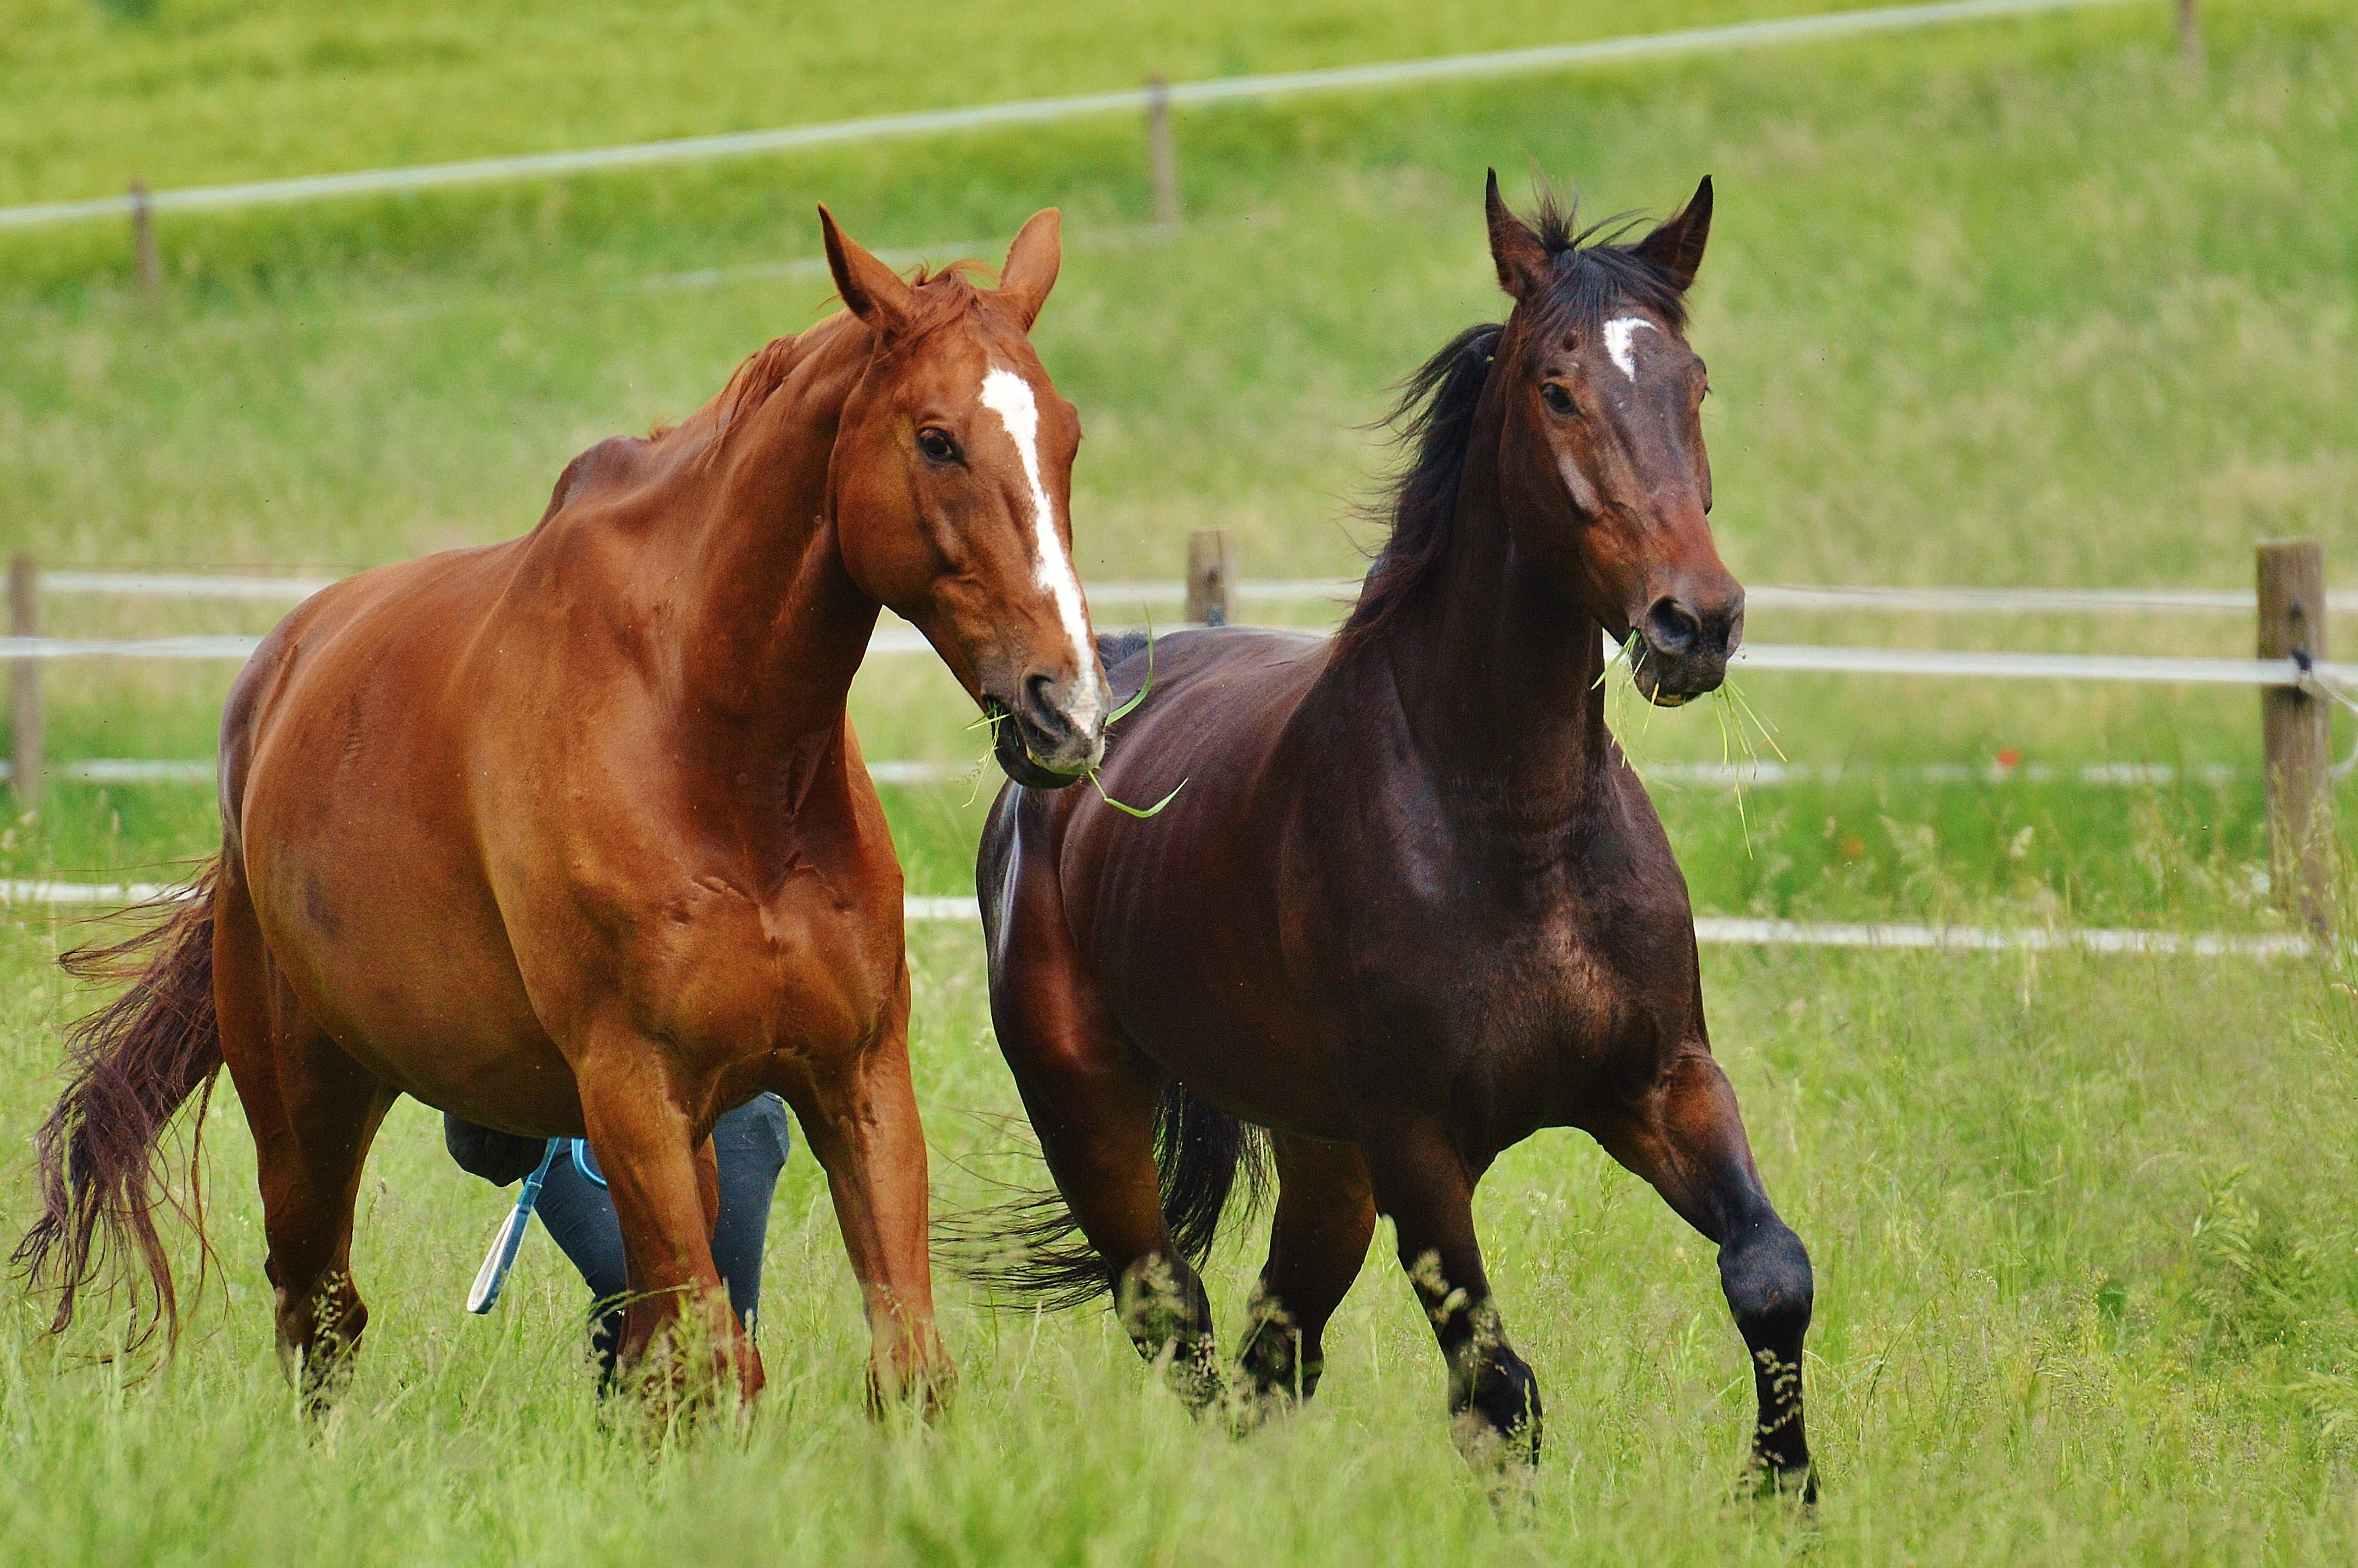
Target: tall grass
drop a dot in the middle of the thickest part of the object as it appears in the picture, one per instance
(2088, 1259)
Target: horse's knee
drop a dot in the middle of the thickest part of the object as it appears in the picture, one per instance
(1769, 1285)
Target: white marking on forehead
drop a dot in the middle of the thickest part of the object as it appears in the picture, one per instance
(1617, 341)
(1009, 396)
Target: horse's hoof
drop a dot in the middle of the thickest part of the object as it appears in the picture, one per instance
(1500, 1420)
(1772, 1481)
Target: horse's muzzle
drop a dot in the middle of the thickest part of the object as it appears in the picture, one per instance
(1683, 647)
(1051, 732)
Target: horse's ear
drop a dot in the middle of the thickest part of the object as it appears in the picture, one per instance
(1521, 260)
(1677, 246)
(1032, 264)
(874, 292)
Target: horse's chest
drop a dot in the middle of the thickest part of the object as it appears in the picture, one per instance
(805, 972)
(1540, 970)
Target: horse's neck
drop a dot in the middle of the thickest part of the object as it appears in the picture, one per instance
(1498, 672)
(772, 626)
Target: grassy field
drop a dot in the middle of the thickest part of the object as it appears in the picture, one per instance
(2026, 303)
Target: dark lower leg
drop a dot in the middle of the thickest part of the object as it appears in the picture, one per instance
(1494, 1398)
(1690, 1143)
(1325, 1217)
(1095, 1130)
(1767, 1279)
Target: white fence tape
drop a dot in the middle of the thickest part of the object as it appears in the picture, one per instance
(903, 638)
(239, 648)
(1762, 774)
(1558, 57)
(1288, 590)
(1776, 774)
(2030, 666)
(182, 585)
(1720, 932)
(1710, 930)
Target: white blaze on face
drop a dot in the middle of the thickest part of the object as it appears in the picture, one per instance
(1009, 396)
(1617, 333)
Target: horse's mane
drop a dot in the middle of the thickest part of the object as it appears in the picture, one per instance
(1434, 415)
(942, 296)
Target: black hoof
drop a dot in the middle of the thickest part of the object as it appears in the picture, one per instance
(1500, 1420)
(1771, 1481)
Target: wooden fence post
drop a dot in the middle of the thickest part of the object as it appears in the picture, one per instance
(143, 238)
(1211, 569)
(2189, 33)
(2297, 732)
(1165, 162)
(25, 620)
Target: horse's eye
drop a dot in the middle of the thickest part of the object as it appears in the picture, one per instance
(1558, 398)
(936, 445)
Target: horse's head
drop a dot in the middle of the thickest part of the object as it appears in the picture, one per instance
(1602, 461)
(952, 473)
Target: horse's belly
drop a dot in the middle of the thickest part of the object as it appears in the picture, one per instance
(399, 955)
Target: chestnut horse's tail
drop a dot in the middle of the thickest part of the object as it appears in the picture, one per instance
(1031, 1247)
(133, 1061)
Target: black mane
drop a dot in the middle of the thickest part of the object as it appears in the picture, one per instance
(1434, 417)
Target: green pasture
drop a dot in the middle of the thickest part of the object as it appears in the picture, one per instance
(2025, 302)
(2088, 1264)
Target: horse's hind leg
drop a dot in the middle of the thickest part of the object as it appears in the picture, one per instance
(1325, 1217)
(1091, 1097)
(313, 1111)
(1688, 1140)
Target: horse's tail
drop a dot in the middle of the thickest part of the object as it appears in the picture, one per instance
(133, 1063)
(1031, 1248)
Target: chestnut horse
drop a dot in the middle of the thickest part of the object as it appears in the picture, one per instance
(571, 834)
(1412, 905)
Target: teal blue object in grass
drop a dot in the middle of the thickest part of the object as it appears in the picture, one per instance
(485, 1293)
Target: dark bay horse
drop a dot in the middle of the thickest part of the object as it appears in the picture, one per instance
(571, 835)
(1412, 905)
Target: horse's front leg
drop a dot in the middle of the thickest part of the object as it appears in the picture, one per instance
(860, 1114)
(1687, 1138)
(661, 1178)
(1423, 1181)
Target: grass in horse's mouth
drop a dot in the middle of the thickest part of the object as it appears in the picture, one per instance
(1116, 716)
(1742, 729)
(1739, 721)
(994, 714)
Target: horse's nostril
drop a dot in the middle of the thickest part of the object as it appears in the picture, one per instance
(1671, 627)
(1043, 709)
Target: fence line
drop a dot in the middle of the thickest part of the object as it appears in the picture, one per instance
(1757, 774)
(1287, 590)
(1710, 930)
(1832, 660)
(1222, 90)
